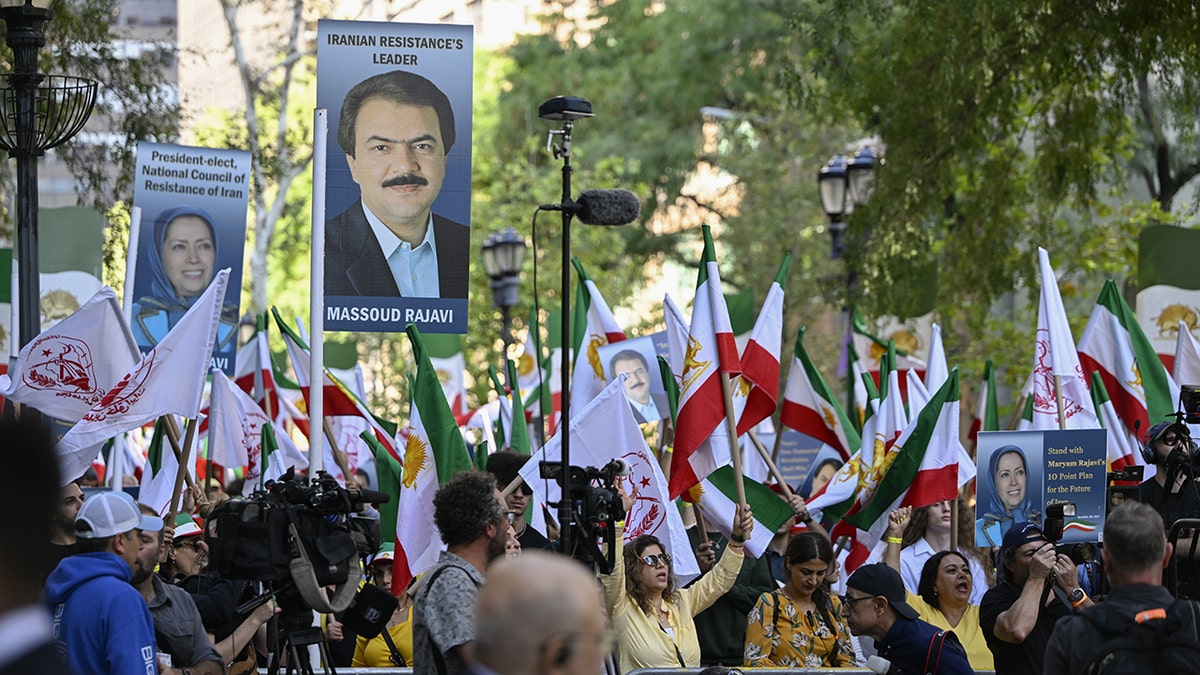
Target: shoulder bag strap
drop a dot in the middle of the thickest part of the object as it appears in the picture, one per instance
(397, 657)
(934, 655)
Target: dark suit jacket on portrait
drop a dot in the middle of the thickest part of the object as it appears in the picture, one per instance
(356, 266)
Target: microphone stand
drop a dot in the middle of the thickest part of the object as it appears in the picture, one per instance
(565, 517)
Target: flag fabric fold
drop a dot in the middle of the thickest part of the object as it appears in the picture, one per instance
(1139, 387)
(760, 359)
(168, 380)
(711, 352)
(599, 328)
(810, 407)
(68, 368)
(604, 430)
(1055, 356)
(434, 453)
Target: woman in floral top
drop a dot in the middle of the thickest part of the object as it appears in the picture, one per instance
(800, 625)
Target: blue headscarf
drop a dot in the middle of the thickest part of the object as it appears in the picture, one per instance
(996, 507)
(161, 287)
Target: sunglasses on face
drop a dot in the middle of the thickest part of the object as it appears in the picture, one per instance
(188, 543)
(654, 560)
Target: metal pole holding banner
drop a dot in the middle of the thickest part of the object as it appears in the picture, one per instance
(316, 345)
(135, 236)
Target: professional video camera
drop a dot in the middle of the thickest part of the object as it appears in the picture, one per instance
(595, 505)
(1080, 553)
(303, 540)
(1124, 486)
(298, 536)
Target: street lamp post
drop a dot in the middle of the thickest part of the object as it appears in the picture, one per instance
(503, 253)
(37, 112)
(842, 184)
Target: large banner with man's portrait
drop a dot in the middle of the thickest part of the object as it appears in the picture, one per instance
(398, 174)
(1021, 473)
(193, 203)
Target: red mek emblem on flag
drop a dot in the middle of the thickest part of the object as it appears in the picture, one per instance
(126, 394)
(63, 365)
(647, 512)
(1043, 381)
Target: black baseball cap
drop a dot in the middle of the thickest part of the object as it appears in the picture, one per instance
(879, 579)
(1022, 533)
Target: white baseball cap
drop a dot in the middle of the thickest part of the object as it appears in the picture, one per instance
(112, 513)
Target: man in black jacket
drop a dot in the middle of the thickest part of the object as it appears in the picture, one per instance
(396, 129)
(1135, 553)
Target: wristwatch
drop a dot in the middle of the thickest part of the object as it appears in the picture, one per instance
(1077, 596)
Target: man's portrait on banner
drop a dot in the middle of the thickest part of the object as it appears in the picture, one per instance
(396, 129)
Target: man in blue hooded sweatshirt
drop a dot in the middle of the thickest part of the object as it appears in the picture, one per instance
(101, 619)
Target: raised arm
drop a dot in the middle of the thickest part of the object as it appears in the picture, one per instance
(897, 521)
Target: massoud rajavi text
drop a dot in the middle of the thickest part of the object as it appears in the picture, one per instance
(405, 315)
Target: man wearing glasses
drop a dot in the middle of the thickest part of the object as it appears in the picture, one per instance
(874, 605)
(1172, 492)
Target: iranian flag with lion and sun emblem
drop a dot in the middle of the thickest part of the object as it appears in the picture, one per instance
(434, 452)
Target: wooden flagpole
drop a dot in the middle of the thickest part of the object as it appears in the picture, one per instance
(182, 474)
(771, 466)
(734, 452)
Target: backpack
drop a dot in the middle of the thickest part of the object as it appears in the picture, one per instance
(1159, 641)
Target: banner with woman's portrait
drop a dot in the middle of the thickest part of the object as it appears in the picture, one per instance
(193, 203)
(1023, 472)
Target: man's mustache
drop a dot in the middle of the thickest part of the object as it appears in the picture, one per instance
(404, 179)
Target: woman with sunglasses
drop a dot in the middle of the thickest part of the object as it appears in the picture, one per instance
(800, 625)
(943, 596)
(654, 618)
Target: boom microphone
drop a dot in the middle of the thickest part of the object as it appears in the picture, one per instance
(602, 207)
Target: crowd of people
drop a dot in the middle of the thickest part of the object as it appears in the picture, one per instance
(111, 587)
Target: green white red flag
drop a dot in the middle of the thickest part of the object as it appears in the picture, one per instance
(921, 467)
(446, 355)
(1139, 387)
(599, 328)
(760, 358)
(1169, 286)
(717, 498)
(1122, 446)
(1055, 356)
(390, 473)
(338, 400)
(987, 412)
(810, 407)
(711, 351)
(434, 453)
(168, 380)
(158, 474)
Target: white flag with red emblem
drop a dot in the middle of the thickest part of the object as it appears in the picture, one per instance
(602, 431)
(234, 424)
(66, 370)
(169, 380)
(1055, 357)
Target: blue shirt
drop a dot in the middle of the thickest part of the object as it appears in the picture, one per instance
(414, 269)
(906, 645)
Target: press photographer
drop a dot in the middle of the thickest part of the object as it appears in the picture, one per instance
(1172, 490)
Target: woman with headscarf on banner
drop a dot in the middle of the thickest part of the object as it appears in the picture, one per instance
(181, 268)
(1009, 501)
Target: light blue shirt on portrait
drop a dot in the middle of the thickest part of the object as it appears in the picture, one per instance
(414, 269)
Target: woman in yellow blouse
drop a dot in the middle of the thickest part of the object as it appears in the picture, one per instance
(800, 625)
(376, 652)
(943, 593)
(651, 615)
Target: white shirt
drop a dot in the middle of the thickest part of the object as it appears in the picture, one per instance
(414, 269)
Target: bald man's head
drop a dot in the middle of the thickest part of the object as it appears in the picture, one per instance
(541, 614)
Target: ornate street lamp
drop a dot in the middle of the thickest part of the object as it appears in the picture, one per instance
(37, 112)
(503, 253)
